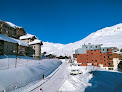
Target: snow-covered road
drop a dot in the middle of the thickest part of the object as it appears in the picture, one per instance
(61, 81)
(54, 81)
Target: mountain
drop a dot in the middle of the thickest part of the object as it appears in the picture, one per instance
(109, 37)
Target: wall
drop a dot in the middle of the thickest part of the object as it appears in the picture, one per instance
(116, 62)
(37, 48)
(96, 57)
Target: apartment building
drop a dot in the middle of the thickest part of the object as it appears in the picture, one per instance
(11, 30)
(34, 43)
(97, 55)
(10, 44)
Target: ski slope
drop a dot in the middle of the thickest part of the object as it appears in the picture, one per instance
(109, 36)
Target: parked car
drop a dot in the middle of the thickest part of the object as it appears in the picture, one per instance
(75, 72)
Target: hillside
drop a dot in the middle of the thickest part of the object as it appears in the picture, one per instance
(109, 36)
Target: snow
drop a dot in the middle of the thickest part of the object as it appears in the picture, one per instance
(22, 43)
(35, 41)
(8, 39)
(50, 47)
(109, 37)
(26, 36)
(19, 77)
(58, 78)
(100, 80)
(13, 25)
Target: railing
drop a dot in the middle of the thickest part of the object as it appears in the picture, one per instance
(7, 62)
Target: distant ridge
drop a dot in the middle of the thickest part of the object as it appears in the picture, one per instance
(109, 36)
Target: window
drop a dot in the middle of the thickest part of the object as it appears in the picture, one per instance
(5, 26)
(108, 56)
(103, 49)
(4, 31)
(96, 46)
(104, 56)
(95, 60)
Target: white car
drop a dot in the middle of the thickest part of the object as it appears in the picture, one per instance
(75, 72)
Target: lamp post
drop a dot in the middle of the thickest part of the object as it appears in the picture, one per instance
(16, 58)
(8, 60)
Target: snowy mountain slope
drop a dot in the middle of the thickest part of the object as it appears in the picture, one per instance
(50, 47)
(109, 36)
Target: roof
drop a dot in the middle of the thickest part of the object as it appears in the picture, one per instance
(12, 25)
(26, 36)
(36, 41)
(12, 40)
(22, 43)
(8, 39)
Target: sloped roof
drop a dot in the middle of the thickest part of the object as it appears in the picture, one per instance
(26, 36)
(12, 25)
(9, 39)
(36, 41)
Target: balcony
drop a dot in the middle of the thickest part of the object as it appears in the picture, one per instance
(110, 65)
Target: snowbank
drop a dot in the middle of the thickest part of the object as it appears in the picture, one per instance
(18, 77)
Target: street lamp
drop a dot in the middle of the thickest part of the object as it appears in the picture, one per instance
(16, 57)
(8, 60)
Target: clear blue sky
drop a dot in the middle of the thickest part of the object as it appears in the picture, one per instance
(61, 21)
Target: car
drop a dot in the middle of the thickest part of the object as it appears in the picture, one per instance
(75, 72)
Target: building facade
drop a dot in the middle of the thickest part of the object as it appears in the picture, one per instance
(97, 56)
(10, 44)
(35, 44)
(11, 30)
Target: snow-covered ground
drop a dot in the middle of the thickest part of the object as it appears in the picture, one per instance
(23, 76)
(9, 61)
(109, 36)
(58, 79)
(99, 81)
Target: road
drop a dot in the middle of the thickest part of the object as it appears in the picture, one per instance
(55, 81)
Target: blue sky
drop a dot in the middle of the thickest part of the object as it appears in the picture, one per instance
(61, 21)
